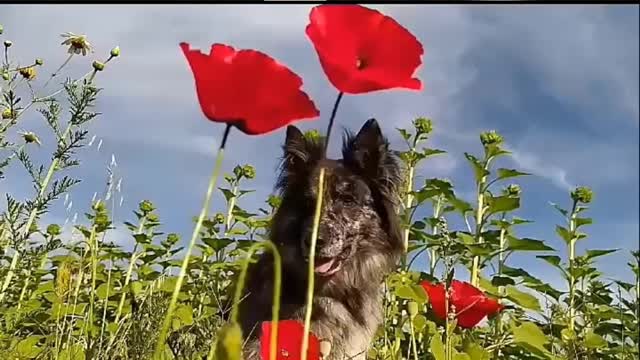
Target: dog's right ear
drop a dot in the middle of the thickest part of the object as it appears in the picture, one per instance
(300, 155)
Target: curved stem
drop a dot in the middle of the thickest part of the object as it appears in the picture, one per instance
(196, 230)
(311, 272)
(275, 307)
(334, 111)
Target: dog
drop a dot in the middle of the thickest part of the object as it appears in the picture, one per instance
(359, 242)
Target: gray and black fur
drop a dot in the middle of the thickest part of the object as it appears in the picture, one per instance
(359, 229)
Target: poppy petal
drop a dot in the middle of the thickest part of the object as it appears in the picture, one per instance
(289, 341)
(361, 50)
(248, 89)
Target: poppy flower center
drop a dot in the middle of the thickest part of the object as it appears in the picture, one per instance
(360, 63)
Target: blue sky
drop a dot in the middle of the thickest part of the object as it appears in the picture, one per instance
(559, 82)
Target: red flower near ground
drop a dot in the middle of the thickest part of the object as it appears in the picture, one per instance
(248, 89)
(469, 303)
(289, 343)
(362, 50)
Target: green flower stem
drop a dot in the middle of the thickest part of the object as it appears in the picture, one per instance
(413, 340)
(314, 236)
(432, 253)
(55, 73)
(572, 256)
(105, 305)
(32, 217)
(93, 242)
(475, 269)
(275, 307)
(331, 120)
(196, 231)
(232, 205)
(501, 290)
(127, 278)
(311, 272)
(407, 206)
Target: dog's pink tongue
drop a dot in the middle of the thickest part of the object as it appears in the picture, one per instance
(325, 267)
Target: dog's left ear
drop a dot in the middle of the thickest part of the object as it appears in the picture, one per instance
(367, 151)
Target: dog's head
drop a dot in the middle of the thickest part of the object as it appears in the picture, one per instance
(358, 215)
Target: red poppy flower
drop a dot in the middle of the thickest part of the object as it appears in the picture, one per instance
(248, 89)
(362, 50)
(470, 304)
(289, 343)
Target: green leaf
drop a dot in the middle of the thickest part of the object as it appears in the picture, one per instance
(562, 211)
(431, 152)
(229, 343)
(502, 281)
(553, 260)
(509, 173)
(104, 290)
(412, 292)
(28, 348)
(592, 254)
(183, 316)
(563, 233)
(462, 206)
(476, 352)
(478, 168)
(73, 352)
(217, 244)
(500, 204)
(405, 134)
(436, 347)
(419, 323)
(594, 341)
(527, 244)
(583, 221)
(461, 356)
(523, 299)
(530, 337)
(136, 288)
(228, 195)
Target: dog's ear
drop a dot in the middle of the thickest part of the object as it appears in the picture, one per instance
(300, 155)
(368, 151)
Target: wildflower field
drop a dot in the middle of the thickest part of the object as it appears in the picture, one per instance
(68, 291)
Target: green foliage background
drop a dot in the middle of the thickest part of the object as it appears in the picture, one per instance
(80, 296)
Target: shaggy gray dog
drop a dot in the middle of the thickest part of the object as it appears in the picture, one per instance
(359, 242)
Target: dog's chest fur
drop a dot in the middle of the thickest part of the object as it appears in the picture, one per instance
(350, 338)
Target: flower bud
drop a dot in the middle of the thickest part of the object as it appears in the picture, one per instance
(172, 239)
(423, 125)
(248, 171)
(412, 307)
(219, 218)
(8, 114)
(237, 171)
(98, 66)
(29, 137)
(28, 72)
(53, 230)
(313, 135)
(5, 76)
(115, 52)
(39, 62)
(7, 43)
(491, 138)
(153, 218)
(512, 190)
(582, 194)
(1, 29)
(146, 206)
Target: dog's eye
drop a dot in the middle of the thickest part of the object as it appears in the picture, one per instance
(349, 199)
